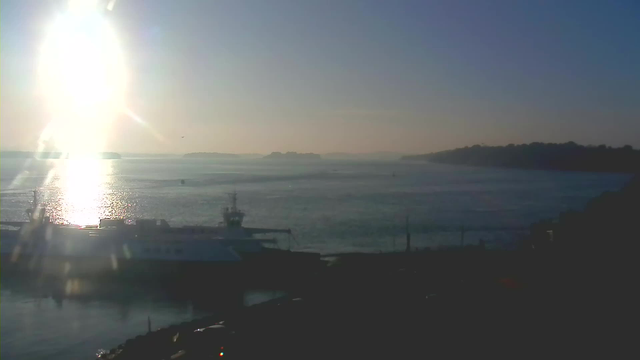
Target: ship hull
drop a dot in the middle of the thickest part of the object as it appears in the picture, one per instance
(80, 253)
(96, 267)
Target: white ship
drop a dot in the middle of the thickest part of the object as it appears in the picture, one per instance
(114, 246)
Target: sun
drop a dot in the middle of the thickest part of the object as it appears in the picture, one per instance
(82, 76)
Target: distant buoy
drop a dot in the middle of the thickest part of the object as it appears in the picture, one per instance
(182, 182)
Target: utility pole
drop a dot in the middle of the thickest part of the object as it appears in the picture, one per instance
(408, 234)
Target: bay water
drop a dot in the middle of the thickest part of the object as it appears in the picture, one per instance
(331, 207)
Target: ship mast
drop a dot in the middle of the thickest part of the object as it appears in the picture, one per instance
(31, 212)
(233, 218)
(234, 201)
(35, 213)
(231, 215)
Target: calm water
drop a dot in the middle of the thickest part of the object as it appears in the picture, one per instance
(40, 322)
(331, 207)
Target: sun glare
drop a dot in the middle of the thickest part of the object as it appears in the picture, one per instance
(86, 190)
(83, 78)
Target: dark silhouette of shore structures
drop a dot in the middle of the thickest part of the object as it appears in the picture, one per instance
(608, 221)
(568, 156)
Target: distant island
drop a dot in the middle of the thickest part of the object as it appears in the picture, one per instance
(568, 156)
(292, 156)
(52, 155)
(127, 155)
(210, 155)
(380, 155)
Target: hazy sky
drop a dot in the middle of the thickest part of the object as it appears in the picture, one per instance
(346, 75)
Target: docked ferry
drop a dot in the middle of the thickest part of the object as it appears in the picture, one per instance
(142, 246)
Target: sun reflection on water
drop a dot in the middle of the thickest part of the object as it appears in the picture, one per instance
(85, 190)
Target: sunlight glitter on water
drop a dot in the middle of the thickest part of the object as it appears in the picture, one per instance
(85, 190)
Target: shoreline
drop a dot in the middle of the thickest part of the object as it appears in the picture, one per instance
(396, 291)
